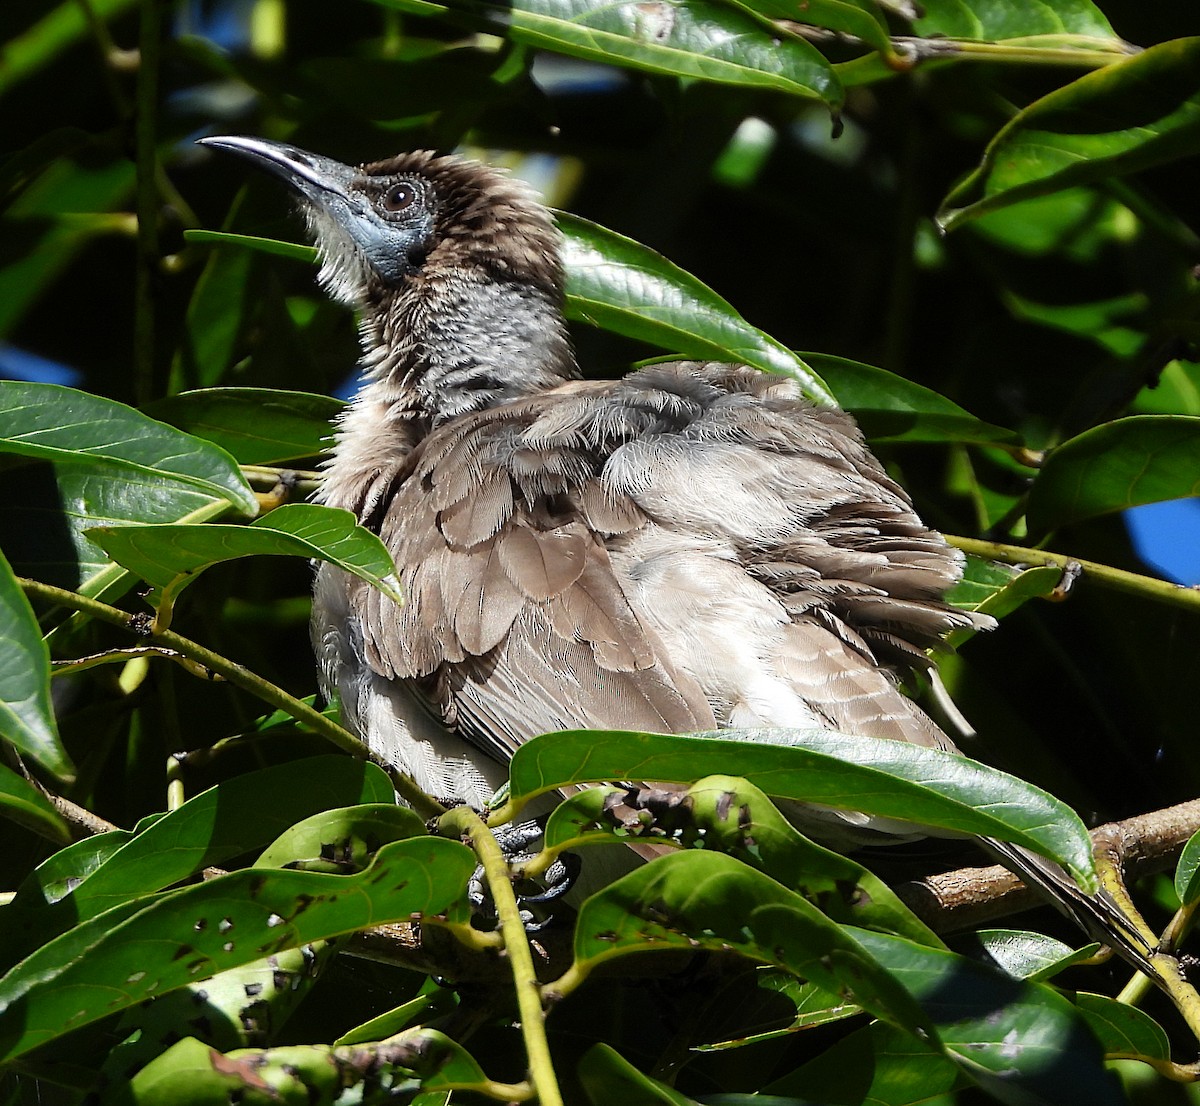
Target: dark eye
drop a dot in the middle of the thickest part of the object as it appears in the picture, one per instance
(398, 197)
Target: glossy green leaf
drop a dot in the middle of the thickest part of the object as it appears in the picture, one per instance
(1187, 872)
(1120, 464)
(191, 1074)
(813, 1005)
(694, 900)
(50, 544)
(1139, 112)
(892, 409)
(999, 589)
(1123, 1029)
(345, 839)
(623, 286)
(256, 426)
(66, 426)
(1020, 953)
(208, 829)
(294, 251)
(26, 713)
(1020, 19)
(243, 1007)
(171, 557)
(24, 804)
(1023, 1042)
(730, 815)
(877, 1064)
(701, 39)
(100, 968)
(860, 18)
(887, 778)
(608, 1078)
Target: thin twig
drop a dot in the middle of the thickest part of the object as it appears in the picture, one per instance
(516, 943)
(242, 677)
(1117, 579)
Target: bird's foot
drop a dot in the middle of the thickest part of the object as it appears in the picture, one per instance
(533, 896)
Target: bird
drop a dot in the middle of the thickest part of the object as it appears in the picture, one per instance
(691, 547)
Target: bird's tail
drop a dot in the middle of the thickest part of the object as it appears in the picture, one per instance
(1099, 915)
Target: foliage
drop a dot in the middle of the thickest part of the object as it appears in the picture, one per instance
(977, 214)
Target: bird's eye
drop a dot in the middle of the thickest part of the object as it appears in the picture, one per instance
(398, 197)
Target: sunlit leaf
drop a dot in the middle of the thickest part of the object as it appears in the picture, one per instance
(1024, 1042)
(26, 713)
(701, 39)
(191, 1074)
(208, 829)
(1119, 464)
(890, 408)
(1122, 1028)
(728, 814)
(1187, 872)
(888, 778)
(256, 426)
(623, 286)
(114, 962)
(171, 557)
(1019, 19)
(1139, 112)
(708, 900)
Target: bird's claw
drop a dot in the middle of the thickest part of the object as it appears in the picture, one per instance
(557, 880)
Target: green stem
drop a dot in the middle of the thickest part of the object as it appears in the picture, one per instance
(242, 677)
(145, 134)
(512, 929)
(1116, 579)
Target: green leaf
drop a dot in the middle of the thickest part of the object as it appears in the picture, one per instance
(1187, 872)
(891, 779)
(877, 1064)
(67, 426)
(256, 426)
(171, 557)
(707, 900)
(728, 814)
(813, 1005)
(702, 39)
(1023, 1042)
(608, 1078)
(999, 589)
(892, 409)
(1014, 19)
(1139, 112)
(1021, 953)
(1120, 464)
(191, 1074)
(433, 1002)
(1123, 1029)
(294, 251)
(117, 960)
(208, 829)
(24, 804)
(344, 839)
(47, 541)
(26, 713)
(623, 286)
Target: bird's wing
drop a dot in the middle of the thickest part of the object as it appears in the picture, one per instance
(688, 547)
(514, 623)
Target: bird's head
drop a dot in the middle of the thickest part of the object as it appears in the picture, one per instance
(380, 225)
(454, 265)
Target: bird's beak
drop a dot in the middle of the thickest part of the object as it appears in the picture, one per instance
(320, 180)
